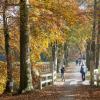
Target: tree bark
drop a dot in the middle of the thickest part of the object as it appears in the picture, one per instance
(66, 54)
(25, 65)
(98, 36)
(92, 62)
(88, 55)
(54, 59)
(97, 51)
(54, 55)
(8, 53)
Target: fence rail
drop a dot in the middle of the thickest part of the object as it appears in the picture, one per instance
(47, 74)
(97, 79)
(47, 79)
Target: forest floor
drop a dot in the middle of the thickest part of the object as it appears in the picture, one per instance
(72, 89)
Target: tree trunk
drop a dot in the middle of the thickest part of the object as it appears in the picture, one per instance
(58, 65)
(66, 54)
(92, 62)
(25, 65)
(98, 36)
(54, 55)
(54, 59)
(8, 55)
(88, 55)
(97, 51)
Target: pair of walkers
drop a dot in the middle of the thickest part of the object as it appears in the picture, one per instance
(83, 71)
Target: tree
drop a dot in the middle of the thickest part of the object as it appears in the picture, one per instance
(25, 66)
(8, 51)
(93, 46)
(98, 35)
(54, 55)
(66, 54)
(88, 54)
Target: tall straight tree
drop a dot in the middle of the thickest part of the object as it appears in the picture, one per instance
(88, 54)
(97, 47)
(25, 65)
(66, 54)
(54, 58)
(98, 35)
(99, 30)
(93, 46)
(54, 55)
(7, 51)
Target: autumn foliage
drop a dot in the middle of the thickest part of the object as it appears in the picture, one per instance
(49, 21)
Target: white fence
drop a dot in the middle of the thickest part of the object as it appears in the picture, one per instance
(47, 79)
(97, 80)
(47, 74)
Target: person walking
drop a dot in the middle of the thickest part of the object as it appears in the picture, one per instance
(83, 71)
(62, 73)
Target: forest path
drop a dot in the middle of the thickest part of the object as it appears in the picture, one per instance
(72, 89)
(72, 76)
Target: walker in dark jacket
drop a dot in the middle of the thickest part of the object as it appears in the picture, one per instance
(62, 73)
(82, 72)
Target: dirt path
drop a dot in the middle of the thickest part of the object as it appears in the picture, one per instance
(72, 76)
(72, 89)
